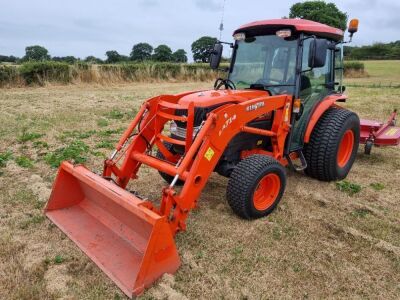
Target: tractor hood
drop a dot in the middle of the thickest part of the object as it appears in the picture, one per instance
(217, 97)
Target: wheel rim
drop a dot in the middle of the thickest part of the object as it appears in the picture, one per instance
(345, 148)
(266, 191)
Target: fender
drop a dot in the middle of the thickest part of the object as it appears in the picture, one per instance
(319, 110)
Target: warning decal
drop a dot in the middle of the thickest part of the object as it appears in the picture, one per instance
(391, 131)
(209, 154)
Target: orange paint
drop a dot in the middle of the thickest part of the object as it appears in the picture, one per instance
(319, 111)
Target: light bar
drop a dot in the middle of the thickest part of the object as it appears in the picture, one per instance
(239, 36)
(284, 33)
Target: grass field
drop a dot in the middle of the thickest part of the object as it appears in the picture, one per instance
(326, 240)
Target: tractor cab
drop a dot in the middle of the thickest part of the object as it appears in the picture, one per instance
(301, 58)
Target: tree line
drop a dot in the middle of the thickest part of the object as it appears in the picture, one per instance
(375, 51)
(140, 52)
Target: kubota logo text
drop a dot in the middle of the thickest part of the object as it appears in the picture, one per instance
(255, 106)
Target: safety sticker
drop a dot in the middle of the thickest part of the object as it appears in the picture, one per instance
(391, 131)
(209, 154)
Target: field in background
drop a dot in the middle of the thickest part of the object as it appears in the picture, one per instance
(324, 240)
(381, 73)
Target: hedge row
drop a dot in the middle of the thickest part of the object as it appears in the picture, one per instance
(40, 73)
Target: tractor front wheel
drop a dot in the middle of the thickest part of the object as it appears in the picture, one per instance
(333, 145)
(256, 186)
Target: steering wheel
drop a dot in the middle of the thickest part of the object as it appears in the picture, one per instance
(226, 83)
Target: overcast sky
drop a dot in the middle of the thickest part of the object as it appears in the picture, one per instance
(91, 27)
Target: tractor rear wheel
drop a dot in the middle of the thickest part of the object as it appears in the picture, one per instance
(168, 178)
(256, 186)
(333, 145)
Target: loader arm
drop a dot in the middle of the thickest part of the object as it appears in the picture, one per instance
(202, 155)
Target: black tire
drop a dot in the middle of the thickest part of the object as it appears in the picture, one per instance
(321, 152)
(168, 178)
(245, 180)
(368, 147)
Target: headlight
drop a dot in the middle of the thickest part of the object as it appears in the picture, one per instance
(172, 127)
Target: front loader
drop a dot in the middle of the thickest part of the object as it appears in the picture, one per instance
(278, 107)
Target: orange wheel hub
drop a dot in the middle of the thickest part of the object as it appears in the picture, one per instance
(345, 148)
(266, 191)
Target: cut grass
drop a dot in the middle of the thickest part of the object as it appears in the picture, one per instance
(31, 221)
(115, 114)
(58, 259)
(360, 212)
(110, 132)
(4, 157)
(29, 136)
(377, 186)
(24, 162)
(40, 145)
(105, 145)
(348, 187)
(21, 282)
(102, 123)
(77, 134)
(77, 152)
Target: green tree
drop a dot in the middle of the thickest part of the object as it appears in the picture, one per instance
(36, 53)
(67, 59)
(179, 56)
(202, 47)
(141, 51)
(162, 53)
(11, 58)
(113, 57)
(319, 11)
(93, 60)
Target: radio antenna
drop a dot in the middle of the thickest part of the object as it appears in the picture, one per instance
(221, 26)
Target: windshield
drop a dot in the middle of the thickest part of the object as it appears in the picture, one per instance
(267, 60)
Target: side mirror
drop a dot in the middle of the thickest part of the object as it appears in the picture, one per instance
(216, 55)
(317, 53)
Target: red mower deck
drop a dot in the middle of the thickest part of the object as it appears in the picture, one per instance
(379, 133)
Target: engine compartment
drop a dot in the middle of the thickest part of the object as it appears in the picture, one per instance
(241, 142)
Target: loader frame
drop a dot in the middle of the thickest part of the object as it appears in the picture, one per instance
(201, 154)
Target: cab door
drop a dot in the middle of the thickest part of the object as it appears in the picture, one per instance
(315, 85)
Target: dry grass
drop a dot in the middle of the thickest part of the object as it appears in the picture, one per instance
(56, 73)
(319, 243)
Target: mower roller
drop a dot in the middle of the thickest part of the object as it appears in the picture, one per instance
(279, 107)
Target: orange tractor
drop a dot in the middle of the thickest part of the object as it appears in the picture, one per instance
(278, 107)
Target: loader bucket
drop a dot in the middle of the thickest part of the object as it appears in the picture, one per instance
(130, 243)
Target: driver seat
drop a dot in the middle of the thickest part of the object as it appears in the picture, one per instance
(305, 87)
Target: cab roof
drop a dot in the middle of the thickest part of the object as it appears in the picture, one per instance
(299, 25)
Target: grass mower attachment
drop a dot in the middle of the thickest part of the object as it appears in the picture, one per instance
(379, 134)
(131, 239)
